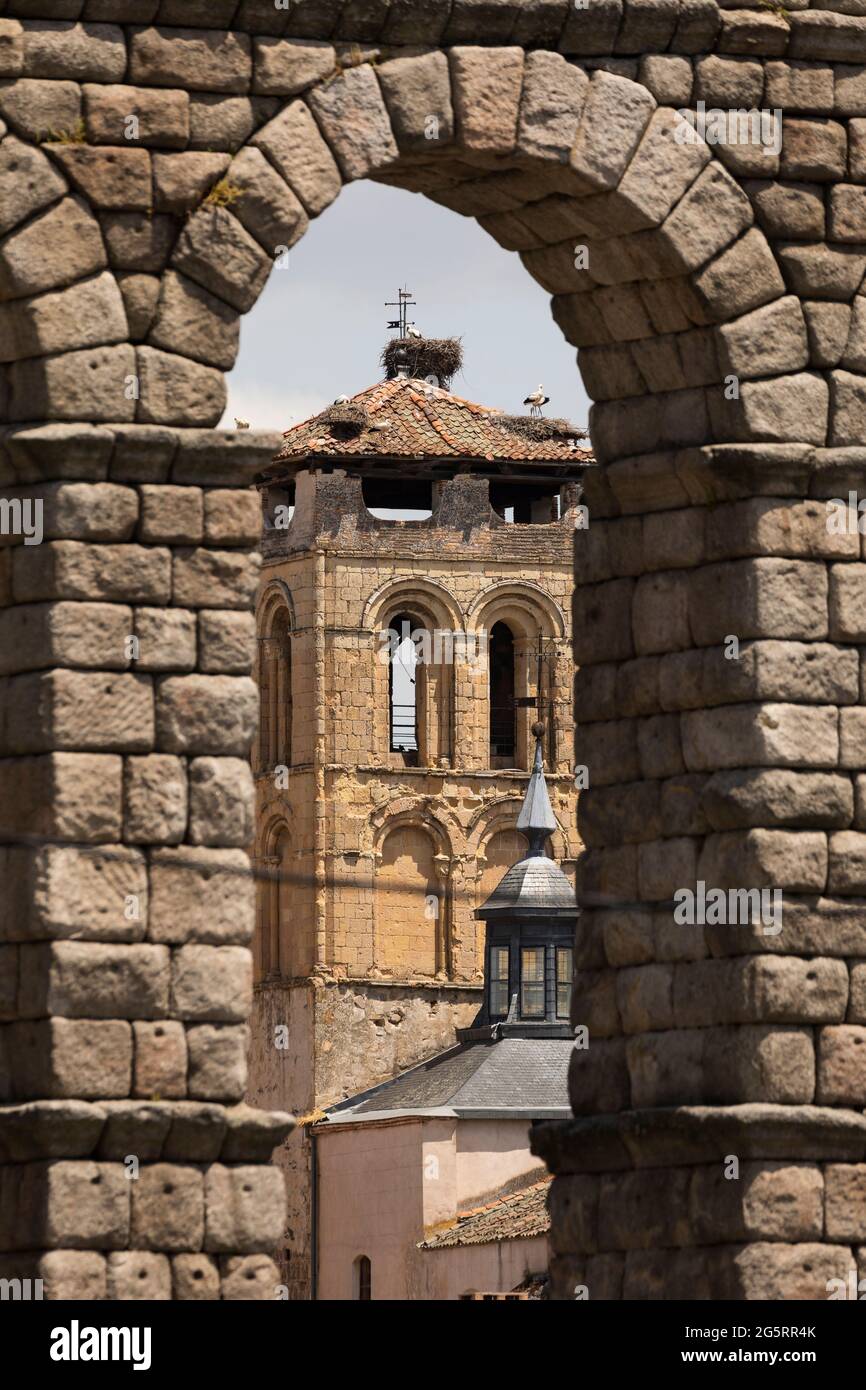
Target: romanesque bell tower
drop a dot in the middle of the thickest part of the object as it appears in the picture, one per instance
(414, 621)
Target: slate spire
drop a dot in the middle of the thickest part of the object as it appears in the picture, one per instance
(536, 818)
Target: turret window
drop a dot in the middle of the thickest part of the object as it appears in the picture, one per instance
(564, 973)
(532, 982)
(499, 981)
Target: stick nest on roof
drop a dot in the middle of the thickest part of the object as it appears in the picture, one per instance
(539, 429)
(423, 357)
(345, 420)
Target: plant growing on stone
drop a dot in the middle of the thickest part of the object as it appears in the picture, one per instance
(345, 61)
(777, 8)
(223, 194)
(76, 134)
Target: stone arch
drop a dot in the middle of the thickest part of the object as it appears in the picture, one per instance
(433, 600)
(407, 811)
(501, 815)
(112, 357)
(538, 150)
(276, 594)
(412, 898)
(525, 604)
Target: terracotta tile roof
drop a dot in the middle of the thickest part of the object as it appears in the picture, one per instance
(410, 419)
(518, 1215)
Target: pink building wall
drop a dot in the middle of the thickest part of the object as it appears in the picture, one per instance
(385, 1185)
(491, 1154)
(490, 1268)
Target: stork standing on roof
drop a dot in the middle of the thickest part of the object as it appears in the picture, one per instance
(536, 400)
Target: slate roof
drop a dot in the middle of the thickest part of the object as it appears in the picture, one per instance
(512, 1076)
(519, 1214)
(423, 420)
(535, 884)
(536, 813)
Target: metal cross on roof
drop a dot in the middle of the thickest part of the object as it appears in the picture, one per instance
(403, 302)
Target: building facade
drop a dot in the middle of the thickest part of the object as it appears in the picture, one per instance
(402, 663)
(428, 1208)
(426, 1186)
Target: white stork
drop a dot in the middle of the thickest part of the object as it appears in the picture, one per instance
(413, 332)
(341, 400)
(536, 400)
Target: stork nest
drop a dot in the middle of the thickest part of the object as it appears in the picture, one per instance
(345, 420)
(423, 357)
(537, 428)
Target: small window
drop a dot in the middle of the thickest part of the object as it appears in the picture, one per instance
(519, 503)
(532, 982)
(498, 981)
(363, 1279)
(398, 499)
(278, 507)
(564, 972)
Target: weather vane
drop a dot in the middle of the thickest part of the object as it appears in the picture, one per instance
(402, 303)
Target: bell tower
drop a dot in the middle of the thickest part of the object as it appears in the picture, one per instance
(414, 621)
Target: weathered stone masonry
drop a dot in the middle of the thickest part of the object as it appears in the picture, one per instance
(126, 922)
(123, 272)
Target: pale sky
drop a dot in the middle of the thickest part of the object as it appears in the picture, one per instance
(319, 327)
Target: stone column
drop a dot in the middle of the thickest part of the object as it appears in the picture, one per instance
(444, 926)
(718, 1141)
(130, 1166)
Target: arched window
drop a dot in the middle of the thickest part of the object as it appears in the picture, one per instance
(526, 679)
(503, 706)
(275, 692)
(413, 707)
(403, 688)
(362, 1279)
(275, 920)
(408, 904)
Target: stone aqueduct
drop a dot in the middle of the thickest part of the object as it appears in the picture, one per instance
(125, 264)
